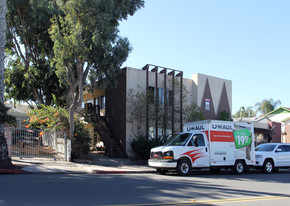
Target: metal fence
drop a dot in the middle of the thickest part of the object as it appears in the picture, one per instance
(24, 142)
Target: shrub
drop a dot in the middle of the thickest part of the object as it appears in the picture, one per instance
(81, 141)
(56, 119)
(142, 146)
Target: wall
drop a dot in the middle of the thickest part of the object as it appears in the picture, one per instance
(220, 93)
(286, 131)
(116, 107)
(276, 136)
(215, 92)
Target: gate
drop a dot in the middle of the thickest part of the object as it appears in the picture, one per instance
(37, 144)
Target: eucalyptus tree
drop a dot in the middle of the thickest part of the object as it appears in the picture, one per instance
(85, 37)
(29, 75)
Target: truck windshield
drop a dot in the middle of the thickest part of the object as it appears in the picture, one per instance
(265, 147)
(179, 140)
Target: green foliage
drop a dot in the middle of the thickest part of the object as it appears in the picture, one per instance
(87, 32)
(193, 113)
(139, 98)
(59, 43)
(28, 75)
(48, 117)
(56, 119)
(224, 115)
(267, 105)
(4, 117)
(81, 141)
(248, 112)
(264, 107)
(142, 146)
(85, 39)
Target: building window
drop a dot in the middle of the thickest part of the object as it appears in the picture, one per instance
(103, 102)
(161, 91)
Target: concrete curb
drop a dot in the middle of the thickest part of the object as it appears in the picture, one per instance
(120, 172)
(12, 171)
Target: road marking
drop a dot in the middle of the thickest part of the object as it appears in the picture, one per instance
(209, 202)
(156, 204)
(245, 199)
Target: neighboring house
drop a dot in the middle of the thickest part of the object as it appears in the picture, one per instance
(272, 127)
(213, 95)
(19, 112)
(264, 131)
(279, 118)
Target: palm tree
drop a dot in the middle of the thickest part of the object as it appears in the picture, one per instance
(5, 161)
(248, 112)
(267, 105)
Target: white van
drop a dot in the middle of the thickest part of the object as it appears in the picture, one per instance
(207, 144)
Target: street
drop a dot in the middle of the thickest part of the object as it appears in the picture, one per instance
(200, 188)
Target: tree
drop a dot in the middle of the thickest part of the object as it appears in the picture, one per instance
(267, 105)
(85, 37)
(249, 112)
(29, 75)
(193, 113)
(5, 161)
(137, 100)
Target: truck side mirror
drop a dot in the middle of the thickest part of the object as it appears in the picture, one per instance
(195, 141)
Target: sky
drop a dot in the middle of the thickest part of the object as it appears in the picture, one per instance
(245, 41)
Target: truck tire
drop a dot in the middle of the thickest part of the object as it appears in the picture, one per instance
(268, 166)
(183, 167)
(240, 167)
(161, 171)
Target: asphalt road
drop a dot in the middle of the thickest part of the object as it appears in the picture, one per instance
(200, 188)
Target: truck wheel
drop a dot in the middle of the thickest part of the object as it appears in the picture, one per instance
(268, 166)
(183, 167)
(161, 171)
(240, 167)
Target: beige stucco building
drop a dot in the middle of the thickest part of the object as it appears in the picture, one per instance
(212, 94)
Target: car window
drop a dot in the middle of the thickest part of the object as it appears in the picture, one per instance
(287, 148)
(200, 140)
(190, 143)
(282, 148)
(265, 147)
(180, 140)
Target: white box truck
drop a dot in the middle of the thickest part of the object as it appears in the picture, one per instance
(207, 144)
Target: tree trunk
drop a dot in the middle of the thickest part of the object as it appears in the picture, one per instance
(5, 161)
(3, 10)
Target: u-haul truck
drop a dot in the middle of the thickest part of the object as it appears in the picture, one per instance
(207, 144)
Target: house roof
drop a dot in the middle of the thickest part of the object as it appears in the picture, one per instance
(17, 113)
(280, 110)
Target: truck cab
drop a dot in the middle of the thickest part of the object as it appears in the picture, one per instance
(184, 151)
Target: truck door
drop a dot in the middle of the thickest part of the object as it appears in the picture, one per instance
(198, 151)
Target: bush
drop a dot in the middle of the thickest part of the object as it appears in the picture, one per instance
(81, 141)
(142, 146)
(56, 119)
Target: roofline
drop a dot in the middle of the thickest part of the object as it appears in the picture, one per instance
(276, 110)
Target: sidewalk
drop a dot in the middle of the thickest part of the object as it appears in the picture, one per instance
(96, 164)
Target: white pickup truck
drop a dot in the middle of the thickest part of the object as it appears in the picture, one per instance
(207, 144)
(272, 156)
